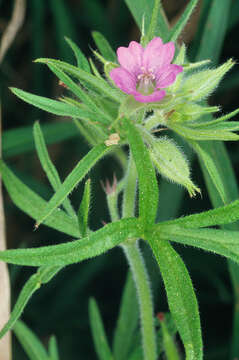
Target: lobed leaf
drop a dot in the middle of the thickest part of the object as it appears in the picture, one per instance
(97, 327)
(94, 244)
(181, 297)
(33, 205)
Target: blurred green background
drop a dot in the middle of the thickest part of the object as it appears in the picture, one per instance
(61, 307)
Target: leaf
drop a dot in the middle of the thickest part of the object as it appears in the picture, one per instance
(84, 209)
(214, 30)
(152, 30)
(49, 105)
(77, 174)
(53, 349)
(94, 244)
(82, 61)
(20, 140)
(222, 242)
(100, 340)
(101, 85)
(202, 134)
(210, 159)
(219, 216)
(148, 187)
(104, 46)
(33, 205)
(179, 26)
(127, 321)
(83, 96)
(49, 167)
(31, 344)
(142, 11)
(42, 276)
(181, 297)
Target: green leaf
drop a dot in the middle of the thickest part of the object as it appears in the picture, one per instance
(219, 216)
(214, 30)
(64, 26)
(20, 140)
(142, 11)
(210, 158)
(82, 95)
(201, 84)
(33, 205)
(53, 349)
(222, 242)
(94, 244)
(77, 174)
(97, 327)
(179, 26)
(202, 134)
(49, 105)
(181, 297)
(82, 61)
(171, 350)
(101, 85)
(148, 187)
(49, 167)
(30, 343)
(127, 321)
(152, 30)
(84, 209)
(104, 46)
(42, 276)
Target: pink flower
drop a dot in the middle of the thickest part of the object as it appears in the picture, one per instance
(144, 72)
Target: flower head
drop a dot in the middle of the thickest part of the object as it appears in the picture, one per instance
(144, 72)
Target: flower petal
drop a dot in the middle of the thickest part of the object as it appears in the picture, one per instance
(123, 80)
(156, 55)
(130, 57)
(151, 51)
(166, 76)
(155, 97)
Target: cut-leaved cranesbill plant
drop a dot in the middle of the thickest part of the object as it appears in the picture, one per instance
(148, 89)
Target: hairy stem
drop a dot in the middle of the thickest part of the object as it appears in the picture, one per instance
(138, 269)
(140, 275)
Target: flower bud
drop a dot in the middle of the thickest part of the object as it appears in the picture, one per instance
(171, 163)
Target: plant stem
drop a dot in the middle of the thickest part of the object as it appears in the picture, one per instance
(138, 269)
(140, 275)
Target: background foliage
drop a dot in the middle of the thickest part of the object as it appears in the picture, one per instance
(61, 307)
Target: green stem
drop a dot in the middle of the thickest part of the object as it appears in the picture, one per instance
(138, 269)
(112, 200)
(140, 275)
